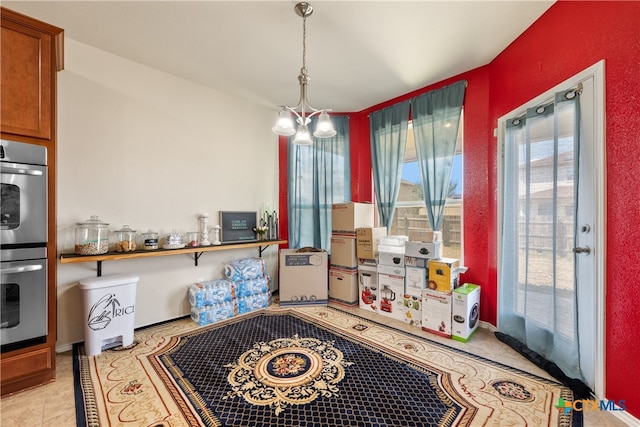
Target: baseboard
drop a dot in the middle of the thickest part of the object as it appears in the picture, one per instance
(487, 325)
(64, 348)
(626, 418)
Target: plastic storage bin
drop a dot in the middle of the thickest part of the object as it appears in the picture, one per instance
(109, 311)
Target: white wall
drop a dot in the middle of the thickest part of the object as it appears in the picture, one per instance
(143, 148)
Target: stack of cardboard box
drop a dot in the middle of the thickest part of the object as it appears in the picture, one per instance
(409, 280)
(343, 267)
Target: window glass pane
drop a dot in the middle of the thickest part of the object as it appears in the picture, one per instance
(411, 218)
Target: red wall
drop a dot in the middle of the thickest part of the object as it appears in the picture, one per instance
(568, 38)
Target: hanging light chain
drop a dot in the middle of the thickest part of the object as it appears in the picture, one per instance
(304, 45)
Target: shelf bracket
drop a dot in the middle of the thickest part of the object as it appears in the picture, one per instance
(262, 249)
(99, 267)
(197, 256)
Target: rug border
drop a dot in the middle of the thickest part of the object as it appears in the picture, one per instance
(574, 418)
(80, 384)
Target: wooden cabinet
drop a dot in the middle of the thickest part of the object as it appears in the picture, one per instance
(28, 75)
(31, 54)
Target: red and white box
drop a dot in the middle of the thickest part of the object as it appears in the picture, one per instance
(368, 288)
(412, 309)
(343, 286)
(436, 312)
(415, 280)
(391, 290)
(343, 252)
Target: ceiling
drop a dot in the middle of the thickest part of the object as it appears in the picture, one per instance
(359, 53)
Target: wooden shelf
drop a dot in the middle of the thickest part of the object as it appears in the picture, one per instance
(197, 251)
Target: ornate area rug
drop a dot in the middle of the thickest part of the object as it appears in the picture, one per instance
(306, 366)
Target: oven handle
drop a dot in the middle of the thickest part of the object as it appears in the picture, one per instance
(20, 171)
(23, 269)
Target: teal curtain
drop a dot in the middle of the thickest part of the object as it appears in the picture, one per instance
(537, 284)
(319, 175)
(436, 119)
(388, 129)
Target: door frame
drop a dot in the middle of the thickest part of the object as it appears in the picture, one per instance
(597, 72)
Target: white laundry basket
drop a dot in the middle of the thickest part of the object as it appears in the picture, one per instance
(109, 311)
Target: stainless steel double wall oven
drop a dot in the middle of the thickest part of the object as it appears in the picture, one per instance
(23, 242)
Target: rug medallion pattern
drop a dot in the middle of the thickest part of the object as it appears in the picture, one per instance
(287, 371)
(305, 366)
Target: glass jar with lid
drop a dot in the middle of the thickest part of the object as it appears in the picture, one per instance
(193, 239)
(125, 239)
(150, 240)
(92, 237)
(173, 240)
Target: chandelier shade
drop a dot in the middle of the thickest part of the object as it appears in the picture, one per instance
(284, 124)
(303, 111)
(302, 136)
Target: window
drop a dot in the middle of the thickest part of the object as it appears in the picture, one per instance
(410, 218)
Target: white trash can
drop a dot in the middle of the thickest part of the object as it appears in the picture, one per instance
(109, 311)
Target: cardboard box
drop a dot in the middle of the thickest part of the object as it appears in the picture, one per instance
(303, 277)
(436, 312)
(367, 241)
(343, 286)
(415, 280)
(392, 259)
(394, 240)
(428, 250)
(410, 261)
(444, 274)
(391, 270)
(368, 288)
(465, 312)
(412, 309)
(346, 217)
(390, 292)
(343, 252)
(369, 262)
(421, 235)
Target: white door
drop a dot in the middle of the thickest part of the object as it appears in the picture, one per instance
(551, 259)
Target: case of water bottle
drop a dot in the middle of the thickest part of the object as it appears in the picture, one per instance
(215, 300)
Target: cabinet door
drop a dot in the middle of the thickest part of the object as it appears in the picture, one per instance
(26, 77)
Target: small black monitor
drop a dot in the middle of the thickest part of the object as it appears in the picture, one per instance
(237, 227)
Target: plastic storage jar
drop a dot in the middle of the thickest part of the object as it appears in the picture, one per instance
(150, 240)
(125, 239)
(92, 237)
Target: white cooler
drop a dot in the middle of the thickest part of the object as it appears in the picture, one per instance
(109, 311)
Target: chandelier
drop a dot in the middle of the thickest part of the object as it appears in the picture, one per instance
(284, 124)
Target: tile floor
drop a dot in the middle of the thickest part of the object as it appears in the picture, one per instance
(52, 405)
